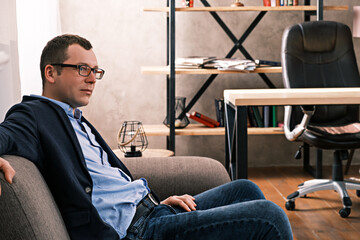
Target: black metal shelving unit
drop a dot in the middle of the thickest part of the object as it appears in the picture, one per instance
(237, 46)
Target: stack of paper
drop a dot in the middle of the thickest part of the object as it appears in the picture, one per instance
(192, 61)
(234, 64)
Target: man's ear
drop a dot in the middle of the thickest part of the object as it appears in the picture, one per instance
(50, 73)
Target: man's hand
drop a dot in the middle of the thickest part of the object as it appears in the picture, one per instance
(186, 201)
(8, 171)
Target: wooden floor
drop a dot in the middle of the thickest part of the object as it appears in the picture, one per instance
(316, 216)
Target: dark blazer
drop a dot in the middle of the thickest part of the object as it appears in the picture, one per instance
(40, 131)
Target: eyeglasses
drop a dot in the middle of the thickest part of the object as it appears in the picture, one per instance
(84, 70)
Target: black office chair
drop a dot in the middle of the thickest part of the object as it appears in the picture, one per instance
(320, 54)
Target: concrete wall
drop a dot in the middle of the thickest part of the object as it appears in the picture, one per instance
(126, 38)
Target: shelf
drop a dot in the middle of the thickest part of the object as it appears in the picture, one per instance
(247, 8)
(201, 130)
(198, 129)
(166, 70)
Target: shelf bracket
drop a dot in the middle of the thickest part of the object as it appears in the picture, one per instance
(238, 42)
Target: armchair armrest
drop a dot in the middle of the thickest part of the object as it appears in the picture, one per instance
(300, 128)
(178, 175)
(27, 207)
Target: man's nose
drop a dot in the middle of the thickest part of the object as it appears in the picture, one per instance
(91, 78)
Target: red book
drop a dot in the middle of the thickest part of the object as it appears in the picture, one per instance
(267, 3)
(201, 118)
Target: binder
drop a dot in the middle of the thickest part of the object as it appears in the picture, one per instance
(201, 118)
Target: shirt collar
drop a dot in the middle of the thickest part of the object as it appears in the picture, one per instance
(67, 108)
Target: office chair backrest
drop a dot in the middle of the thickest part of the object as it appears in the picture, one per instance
(320, 54)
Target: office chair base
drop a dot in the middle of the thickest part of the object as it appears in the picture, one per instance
(314, 185)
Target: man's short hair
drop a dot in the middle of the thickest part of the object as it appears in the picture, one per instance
(55, 51)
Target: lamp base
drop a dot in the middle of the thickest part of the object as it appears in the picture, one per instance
(237, 4)
(133, 154)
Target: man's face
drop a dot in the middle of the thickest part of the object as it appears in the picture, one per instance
(70, 87)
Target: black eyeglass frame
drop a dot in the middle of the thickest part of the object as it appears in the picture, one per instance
(94, 70)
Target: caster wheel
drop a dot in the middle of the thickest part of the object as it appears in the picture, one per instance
(344, 212)
(290, 205)
(358, 193)
(305, 196)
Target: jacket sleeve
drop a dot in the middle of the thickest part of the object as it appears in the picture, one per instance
(18, 133)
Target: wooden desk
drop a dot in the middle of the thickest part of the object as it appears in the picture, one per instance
(236, 102)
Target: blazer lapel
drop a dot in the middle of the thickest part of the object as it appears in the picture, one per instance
(68, 128)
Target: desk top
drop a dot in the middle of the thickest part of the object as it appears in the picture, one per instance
(293, 96)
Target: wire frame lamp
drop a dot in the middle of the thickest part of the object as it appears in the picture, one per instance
(132, 139)
(179, 108)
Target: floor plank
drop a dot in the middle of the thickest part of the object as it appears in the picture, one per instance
(316, 216)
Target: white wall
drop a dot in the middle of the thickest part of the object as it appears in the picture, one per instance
(9, 70)
(38, 21)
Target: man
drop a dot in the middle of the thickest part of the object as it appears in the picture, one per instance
(95, 192)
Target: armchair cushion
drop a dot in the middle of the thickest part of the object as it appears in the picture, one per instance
(29, 212)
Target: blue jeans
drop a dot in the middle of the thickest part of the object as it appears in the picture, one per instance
(236, 210)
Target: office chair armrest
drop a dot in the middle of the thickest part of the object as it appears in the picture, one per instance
(300, 128)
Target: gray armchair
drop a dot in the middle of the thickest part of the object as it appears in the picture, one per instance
(28, 210)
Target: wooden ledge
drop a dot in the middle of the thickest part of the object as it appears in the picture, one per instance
(166, 70)
(201, 130)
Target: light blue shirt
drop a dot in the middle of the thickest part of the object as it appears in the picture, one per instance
(114, 195)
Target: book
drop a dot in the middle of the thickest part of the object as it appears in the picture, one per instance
(234, 64)
(219, 107)
(187, 3)
(251, 117)
(267, 62)
(273, 116)
(188, 66)
(266, 116)
(274, 121)
(258, 119)
(201, 118)
(267, 3)
(193, 60)
(208, 119)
